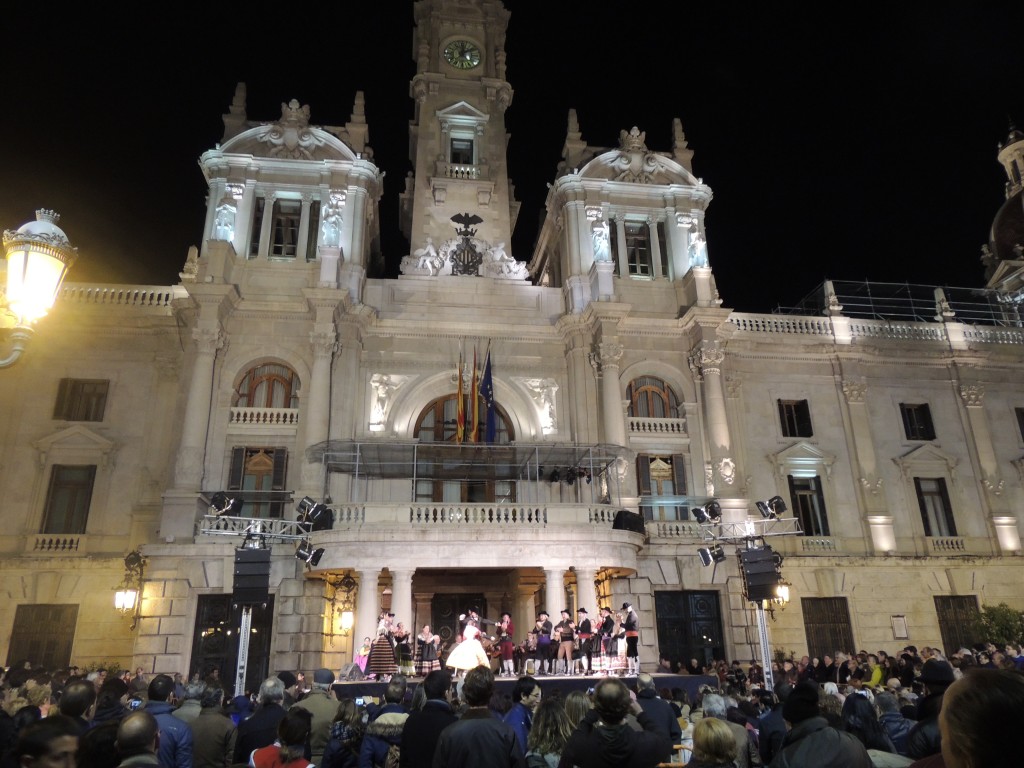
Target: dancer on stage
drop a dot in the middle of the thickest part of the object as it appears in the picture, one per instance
(426, 652)
(565, 631)
(542, 631)
(586, 637)
(605, 631)
(381, 663)
(507, 645)
(469, 653)
(631, 626)
(363, 654)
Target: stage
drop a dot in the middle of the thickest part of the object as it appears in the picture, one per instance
(549, 684)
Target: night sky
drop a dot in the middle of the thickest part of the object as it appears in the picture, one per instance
(853, 142)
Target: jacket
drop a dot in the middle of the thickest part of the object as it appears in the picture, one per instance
(478, 736)
(213, 739)
(323, 706)
(520, 717)
(188, 711)
(343, 746)
(381, 733)
(175, 750)
(615, 746)
(770, 734)
(421, 732)
(258, 730)
(813, 743)
(898, 727)
(660, 712)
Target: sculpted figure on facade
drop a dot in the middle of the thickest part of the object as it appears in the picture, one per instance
(330, 229)
(224, 223)
(635, 163)
(291, 137)
(602, 245)
(698, 249)
(542, 392)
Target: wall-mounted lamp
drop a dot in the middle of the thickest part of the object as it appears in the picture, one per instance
(128, 597)
(341, 604)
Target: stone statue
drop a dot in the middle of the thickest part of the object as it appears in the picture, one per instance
(426, 257)
(602, 249)
(330, 230)
(224, 224)
(698, 249)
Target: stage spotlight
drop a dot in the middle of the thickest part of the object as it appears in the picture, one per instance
(705, 556)
(222, 504)
(570, 475)
(777, 505)
(313, 516)
(712, 554)
(717, 553)
(766, 512)
(308, 555)
(709, 513)
(304, 505)
(699, 515)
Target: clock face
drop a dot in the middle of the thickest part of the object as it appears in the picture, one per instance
(462, 54)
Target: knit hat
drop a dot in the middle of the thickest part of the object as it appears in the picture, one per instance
(288, 678)
(802, 703)
(323, 677)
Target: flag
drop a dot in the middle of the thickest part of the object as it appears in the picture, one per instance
(474, 399)
(487, 393)
(460, 416)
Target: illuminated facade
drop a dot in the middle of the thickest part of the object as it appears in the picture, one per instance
(284, 366)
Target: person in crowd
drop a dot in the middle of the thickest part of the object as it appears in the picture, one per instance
(213, 733)
(860, 718)
(979, 717)
(811, 741)
(713, 745)
(363, 654)
(50, 742)
(346, 739)
(551, 729)
(384, 731)
(289, 749)
(896, 726)
(291, 688)
(260, 728)
(138, 737)
(657, 709)
(426, 652)
(175, 743)
(424, 726)
(78, 701)
(604, 739)
(97, 747)
(925, 738)
(188, 710)
(577, 704)
(526, 695)
(747, 755)
(478, 738)
(322, 704)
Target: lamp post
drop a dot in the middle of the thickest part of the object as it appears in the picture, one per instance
(39, 256)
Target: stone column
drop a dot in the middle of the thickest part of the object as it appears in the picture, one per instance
(706, 361)
(554, 587)
(652, 238)
(188, 470)
(401, 595)
(586, 593)
(367, 607)
(318, 403)
(606, 364)
(300, 247)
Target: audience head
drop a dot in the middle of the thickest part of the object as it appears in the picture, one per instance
(978, 720)
(195, 690)
(612, 700)
(395, 692)
(50, 742)
(77, 698)
(293, 733)
(437, 684)
(526, 692)
(348, 712)
(644, 682)
(886, 703)
(577, 704)
(713, 742)
(212, 697)
(478, 686)
(713, 705)
(802, 703)
(137, 734)
(97, 747)
(272, 691)
(936, 675)
(550, 728)
(160, 688)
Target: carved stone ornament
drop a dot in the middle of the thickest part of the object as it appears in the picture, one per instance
(708, 359)
(291, 137)
(709, 480)
(727, 470)
(854, 391)
(634, 163)
(994, 485)
(542, 392)
(609, 353)
(208, 340)
(973, 395)
(872, 485)
(463, 256)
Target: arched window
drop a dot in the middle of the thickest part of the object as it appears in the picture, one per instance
(653, 398)
(270, 385)
(437, 423)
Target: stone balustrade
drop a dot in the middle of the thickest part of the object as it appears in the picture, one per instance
(648, 425)
(263, 417)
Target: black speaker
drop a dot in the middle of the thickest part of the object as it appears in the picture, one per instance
(628, 521)
(252, 576)
(760, 569)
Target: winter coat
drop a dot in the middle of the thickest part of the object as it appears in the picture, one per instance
(615, 746)
(813, 743)
(381, 733)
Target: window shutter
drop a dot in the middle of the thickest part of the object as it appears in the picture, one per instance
(60, 409)
(237, 469)
(613, 242)
(923, 507)
(280, 468)
(679, 474)
(643, 474)
(782, 418)
(803, 416)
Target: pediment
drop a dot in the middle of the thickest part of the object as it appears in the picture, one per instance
(926, 455)
(462, 112)
(802, 455)
(637, 166)
(76, 440)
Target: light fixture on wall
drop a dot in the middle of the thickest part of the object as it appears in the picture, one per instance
(39, 256)
(772, 509)
(128, 596)
(341, 604)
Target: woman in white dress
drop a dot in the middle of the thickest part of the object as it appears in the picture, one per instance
(468, 654)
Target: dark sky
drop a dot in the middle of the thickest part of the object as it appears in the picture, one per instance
(848, 141)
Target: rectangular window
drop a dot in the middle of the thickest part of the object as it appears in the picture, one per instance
(936, 511)
(68, 499)
(313, 234)
(917, 421)
(827, 625)
(81, 399)
(661, 479)
(665, 269)
(809, 505)
(795, 417)
(43, 633)
(638, 249)
(1020, 421)
(462, 151)
(257, 227)
(259, 474)
(958, 616)
(287, 214)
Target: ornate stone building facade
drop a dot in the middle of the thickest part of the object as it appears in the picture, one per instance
(283, 367)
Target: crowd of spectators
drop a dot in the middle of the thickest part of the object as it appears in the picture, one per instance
(852, 710)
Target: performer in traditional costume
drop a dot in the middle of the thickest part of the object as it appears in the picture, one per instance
(631, 626)
(362, 655)
(585, 635)
(426, 652)
(565, 631)
(605, 631)
(507, 645)
(468, 654)
(542, 631)
(382, 663)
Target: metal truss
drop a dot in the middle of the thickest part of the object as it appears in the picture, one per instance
(750, 530)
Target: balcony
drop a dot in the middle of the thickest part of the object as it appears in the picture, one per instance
(264, 417)
(648, 426)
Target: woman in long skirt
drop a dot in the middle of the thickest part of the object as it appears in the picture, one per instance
(468, 654)
(426, 652)
(382, 663)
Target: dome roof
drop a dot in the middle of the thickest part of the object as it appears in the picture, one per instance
(1008, 228)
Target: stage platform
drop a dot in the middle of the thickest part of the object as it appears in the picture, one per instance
(548, 684)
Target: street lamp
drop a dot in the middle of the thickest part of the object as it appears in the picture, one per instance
(39, 256)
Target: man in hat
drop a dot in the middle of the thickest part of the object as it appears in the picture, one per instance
(631, 626)
(585, 632)
(811, 741)
(924, 738)
(565, 630)
(323, 705)
(605, 630)
(542, 631)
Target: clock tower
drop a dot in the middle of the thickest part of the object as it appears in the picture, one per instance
(458, 199)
